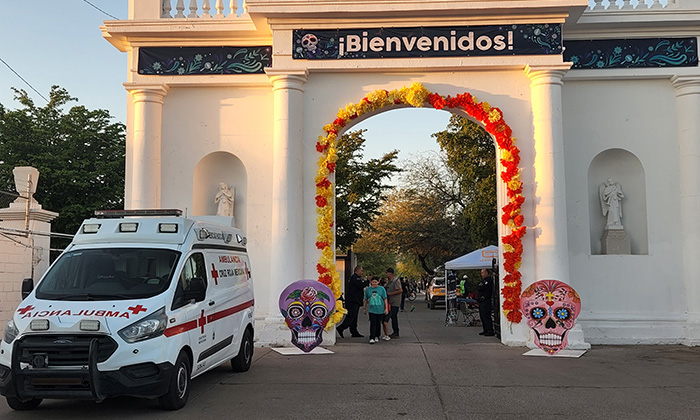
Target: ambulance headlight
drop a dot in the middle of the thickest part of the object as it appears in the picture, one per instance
(149, 327)
(11, 332)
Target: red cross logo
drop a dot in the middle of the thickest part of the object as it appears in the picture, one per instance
(25, 310)
(215, 274)
(136, 309)
(202, 321)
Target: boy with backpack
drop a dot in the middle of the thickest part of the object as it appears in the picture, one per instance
(377, 304)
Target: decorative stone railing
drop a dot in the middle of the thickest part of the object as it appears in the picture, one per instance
(199, 9)
(625, 5)
(219, 9)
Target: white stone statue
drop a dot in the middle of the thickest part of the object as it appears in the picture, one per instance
(224, 198)
(611, 195)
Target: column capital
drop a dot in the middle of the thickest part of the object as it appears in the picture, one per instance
(147, 92)
(547, 74)
(287, 79)
(686, 85)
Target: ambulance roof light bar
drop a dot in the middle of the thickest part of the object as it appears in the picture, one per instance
(116, 214)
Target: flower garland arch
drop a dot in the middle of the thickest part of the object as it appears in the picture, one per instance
(418, 96)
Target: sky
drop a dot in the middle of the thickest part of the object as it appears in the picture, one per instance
(59, 43)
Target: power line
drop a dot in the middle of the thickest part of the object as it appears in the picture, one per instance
(112, 16)
(28, 84)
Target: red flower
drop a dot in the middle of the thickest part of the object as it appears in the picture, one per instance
(339, 122)
(321, 201)
(308, 294)
(436, 101)
(320, 148)
(326, 279)
(331, 166)
(324, 184)
(514, 316)
(518, 220)
(332, 131)
(321, 245)
(321, 269)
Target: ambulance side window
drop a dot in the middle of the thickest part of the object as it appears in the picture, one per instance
(193, 268)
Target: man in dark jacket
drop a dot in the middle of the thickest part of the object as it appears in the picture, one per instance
(354, 296)
(484, 295)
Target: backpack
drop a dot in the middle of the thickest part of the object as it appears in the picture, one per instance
(375, 299)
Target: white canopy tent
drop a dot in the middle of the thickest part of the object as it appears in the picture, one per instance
(481, 258)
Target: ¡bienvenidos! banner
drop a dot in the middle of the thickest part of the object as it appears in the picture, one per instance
(466, 41)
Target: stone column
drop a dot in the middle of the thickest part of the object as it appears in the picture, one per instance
(287, 251)
(551, 237)
(551, 244)
(144, 182)
(688, 111)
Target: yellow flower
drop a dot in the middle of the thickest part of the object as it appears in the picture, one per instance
(417, 95)
(508, 248)
(494, 115)
(485, 106)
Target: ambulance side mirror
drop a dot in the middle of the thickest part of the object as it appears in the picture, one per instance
(27, 287)
(197, 290)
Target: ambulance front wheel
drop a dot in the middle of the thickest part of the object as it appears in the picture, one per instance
(19, 405)
(242, 362)
(179, 389)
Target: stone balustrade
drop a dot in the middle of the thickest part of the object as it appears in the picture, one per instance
(219, 9)
(628, 5)
(199, 9)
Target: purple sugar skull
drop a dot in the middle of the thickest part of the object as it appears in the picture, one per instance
(550, 307)
(306, 306)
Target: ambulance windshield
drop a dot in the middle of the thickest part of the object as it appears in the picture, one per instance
(109, 274)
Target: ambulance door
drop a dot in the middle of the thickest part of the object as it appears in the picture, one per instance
(190, 314)
(223, 311)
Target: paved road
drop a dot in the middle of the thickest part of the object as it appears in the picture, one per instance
(431, 372)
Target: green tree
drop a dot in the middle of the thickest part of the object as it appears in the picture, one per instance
(80, 155)
(471, 153)
(360, 188)
(414, 227)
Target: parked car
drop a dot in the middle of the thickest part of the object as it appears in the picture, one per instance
(436, 292)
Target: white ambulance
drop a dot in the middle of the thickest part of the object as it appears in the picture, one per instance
(138, 304)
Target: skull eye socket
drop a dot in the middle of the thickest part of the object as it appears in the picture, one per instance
(295, 311)
(537, 313)
(319, 311)
(563, 314)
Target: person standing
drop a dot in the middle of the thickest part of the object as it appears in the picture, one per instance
(353, 301)
(376, 303)
(393, 290)
(404, 292)
(484, 296)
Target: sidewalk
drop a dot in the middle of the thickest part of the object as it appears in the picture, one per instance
(431, 372)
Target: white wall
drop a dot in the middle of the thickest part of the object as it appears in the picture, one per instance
(236, 120)
(626, 298)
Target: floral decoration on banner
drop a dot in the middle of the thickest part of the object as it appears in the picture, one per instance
(418, 96)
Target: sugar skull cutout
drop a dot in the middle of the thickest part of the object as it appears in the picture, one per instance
(550, 308)
(309, 42)
(306, 306)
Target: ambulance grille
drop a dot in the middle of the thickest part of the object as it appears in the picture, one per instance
(64, 350)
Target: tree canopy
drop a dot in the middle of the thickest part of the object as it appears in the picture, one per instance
(445, 205)
(80, 156)
(360, 187)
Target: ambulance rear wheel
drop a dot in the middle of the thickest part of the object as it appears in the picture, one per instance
(242, 362)
(179, 390)
(19, 405)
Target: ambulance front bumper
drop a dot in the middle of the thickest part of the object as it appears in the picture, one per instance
(39, 372)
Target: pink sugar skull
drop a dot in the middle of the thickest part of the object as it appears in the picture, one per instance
(550, 307)
(306, 306)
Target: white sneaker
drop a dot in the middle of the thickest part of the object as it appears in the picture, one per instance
(386, 338)
(372, 341)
